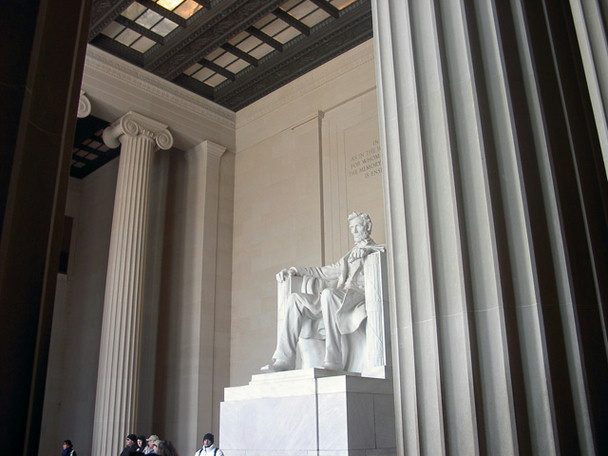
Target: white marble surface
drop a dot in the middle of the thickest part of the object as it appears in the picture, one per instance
(309, 412)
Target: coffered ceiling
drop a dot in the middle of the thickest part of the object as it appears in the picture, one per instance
(232, 52)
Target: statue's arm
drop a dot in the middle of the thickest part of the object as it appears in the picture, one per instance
(328, 273)
(362, 252)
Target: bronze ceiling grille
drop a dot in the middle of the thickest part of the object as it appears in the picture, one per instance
(230, 51)
(89, 152)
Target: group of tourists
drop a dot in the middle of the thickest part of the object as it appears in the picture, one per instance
(139, 445)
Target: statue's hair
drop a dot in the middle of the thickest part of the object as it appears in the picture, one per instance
(367, 221)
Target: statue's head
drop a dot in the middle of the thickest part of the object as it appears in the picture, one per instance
(360, 224)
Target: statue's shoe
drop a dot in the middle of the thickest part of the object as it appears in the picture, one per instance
(277, 366)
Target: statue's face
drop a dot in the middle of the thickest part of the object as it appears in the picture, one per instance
(358, 229)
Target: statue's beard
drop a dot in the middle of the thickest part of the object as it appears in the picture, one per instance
(360, 237)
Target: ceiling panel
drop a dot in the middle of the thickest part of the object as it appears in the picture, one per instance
(232, 52)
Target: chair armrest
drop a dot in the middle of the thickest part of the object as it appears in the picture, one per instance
(377, 350)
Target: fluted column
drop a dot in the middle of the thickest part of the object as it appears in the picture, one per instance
(118, 374)
(496, 228)
(590, 24)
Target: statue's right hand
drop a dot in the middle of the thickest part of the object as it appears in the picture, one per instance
(282, 275)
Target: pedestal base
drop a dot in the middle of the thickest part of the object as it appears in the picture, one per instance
(309, 412)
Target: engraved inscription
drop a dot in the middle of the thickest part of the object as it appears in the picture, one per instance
(367, 163)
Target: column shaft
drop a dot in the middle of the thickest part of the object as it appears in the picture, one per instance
(496, 228)
(118, 375)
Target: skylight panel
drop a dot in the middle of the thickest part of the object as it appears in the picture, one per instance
(113, 29)
(149, 19)
(215, 80)
(170, 4)
(237, 65)
(286, 35)
(193, 69)
(274, 27)
(225, 59)
(260, 51)
(248, 43)
(187, 9)
(133, 11)
(143, 44)
(341, 4)
(127, 37)
(314, 18)
(203, 74)
(301, 9)
(164, 27)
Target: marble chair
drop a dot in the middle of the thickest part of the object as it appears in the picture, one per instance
(367, 350)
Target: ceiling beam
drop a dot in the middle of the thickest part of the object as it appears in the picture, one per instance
(265, 38)
(187, 50)
(240, 54)
(103, 12)
(164, 12)
(140, 29)
(205, 3)
(292, 21)
(118, 49)
(80, 159)
(327, 7)
(194, 85)
(298, 57)
(88, 149)
(218, 69)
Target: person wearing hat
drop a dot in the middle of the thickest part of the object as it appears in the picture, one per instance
(150, 444)
(131, 445)
(209, 448)
(141, 444)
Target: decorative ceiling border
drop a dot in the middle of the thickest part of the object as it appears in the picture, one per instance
(144, 80)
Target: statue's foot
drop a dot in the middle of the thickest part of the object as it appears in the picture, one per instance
(333, 366)
(277, 366)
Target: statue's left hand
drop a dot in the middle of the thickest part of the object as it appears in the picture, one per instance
(360, 252)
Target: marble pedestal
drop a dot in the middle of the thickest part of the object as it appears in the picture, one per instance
(309, 412)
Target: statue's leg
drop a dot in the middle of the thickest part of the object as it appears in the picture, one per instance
(330, 303)
(299, 307)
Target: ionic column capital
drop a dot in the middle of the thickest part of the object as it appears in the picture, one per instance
(84, 106)
(135, 125)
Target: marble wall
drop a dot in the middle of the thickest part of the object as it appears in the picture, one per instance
(74, 353)
(307, 156)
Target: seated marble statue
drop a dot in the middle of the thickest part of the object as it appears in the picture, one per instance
(338, 308)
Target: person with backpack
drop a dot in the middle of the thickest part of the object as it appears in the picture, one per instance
(209, 449)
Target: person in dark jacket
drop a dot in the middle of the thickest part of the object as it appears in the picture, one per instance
(141, 444)
(131, 445)
(68, 448)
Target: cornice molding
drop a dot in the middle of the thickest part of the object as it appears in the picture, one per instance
(179, 97)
